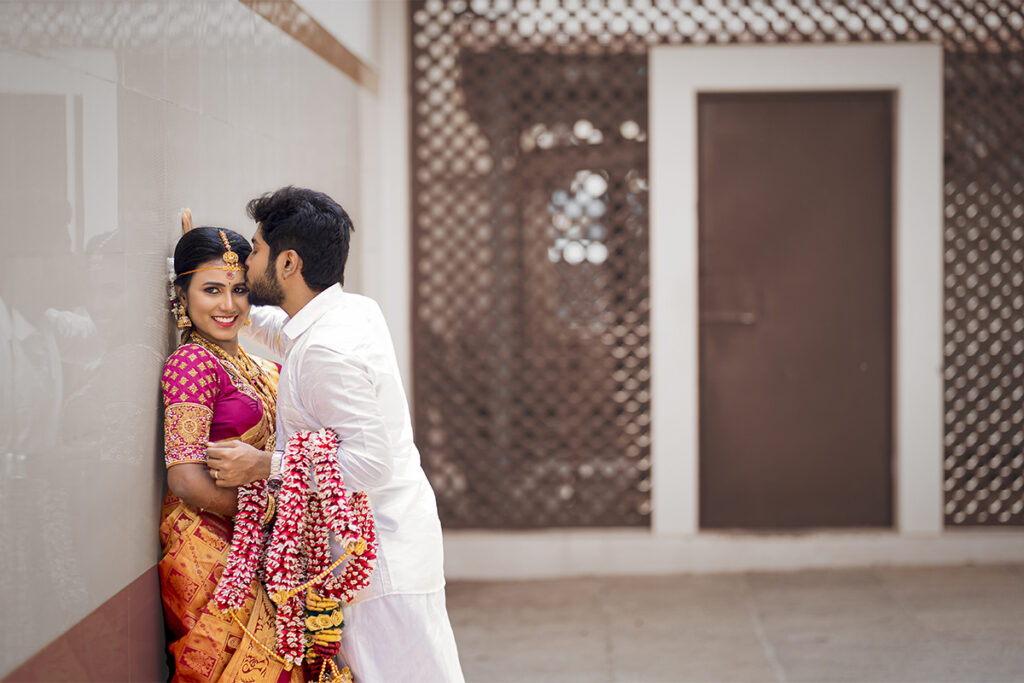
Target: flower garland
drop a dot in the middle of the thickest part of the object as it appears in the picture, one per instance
(357, 571)
(295, 562)
(246, 548)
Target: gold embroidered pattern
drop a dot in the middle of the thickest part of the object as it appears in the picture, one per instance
(186, 381)
(186, 430)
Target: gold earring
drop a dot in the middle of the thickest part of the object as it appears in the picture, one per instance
(181, 315)
(248, 322)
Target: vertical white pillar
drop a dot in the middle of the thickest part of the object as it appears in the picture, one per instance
(918, 247)
(674, 306)
(386, 237)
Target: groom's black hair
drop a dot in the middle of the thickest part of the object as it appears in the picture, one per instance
(312, 224)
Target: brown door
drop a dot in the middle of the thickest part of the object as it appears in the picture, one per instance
(795, 304)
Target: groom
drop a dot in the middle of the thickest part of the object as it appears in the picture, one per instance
(340, 372)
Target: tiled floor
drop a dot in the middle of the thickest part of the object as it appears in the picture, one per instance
(879, 624)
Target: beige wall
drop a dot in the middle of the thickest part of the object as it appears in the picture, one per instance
(113, 115)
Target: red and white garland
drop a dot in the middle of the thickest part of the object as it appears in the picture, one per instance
(297, 555)
(246, 548)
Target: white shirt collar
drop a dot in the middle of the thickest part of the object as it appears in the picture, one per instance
(313, 311)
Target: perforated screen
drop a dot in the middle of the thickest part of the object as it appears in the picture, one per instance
(529, 156)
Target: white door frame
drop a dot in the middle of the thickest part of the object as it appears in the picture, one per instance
(914, 74)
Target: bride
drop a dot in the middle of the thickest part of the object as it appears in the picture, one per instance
(212, 391)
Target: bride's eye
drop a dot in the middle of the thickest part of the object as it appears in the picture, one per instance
(241, 290)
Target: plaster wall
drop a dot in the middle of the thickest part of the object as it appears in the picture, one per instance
(113, 116)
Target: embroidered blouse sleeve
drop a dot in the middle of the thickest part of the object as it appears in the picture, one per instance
(190, 387)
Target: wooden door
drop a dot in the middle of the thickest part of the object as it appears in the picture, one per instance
(795, 197)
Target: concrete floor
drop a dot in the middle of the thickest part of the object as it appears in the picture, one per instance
(877, 624)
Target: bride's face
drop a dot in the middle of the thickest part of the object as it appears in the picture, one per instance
(217, 302)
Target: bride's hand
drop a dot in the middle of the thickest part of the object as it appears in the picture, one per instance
(236, 463)
(186, 220)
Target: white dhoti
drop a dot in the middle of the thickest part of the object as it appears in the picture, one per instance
(340, 372)
(400, 638)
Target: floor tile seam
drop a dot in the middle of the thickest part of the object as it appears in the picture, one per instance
(760, 632)
(609, 612)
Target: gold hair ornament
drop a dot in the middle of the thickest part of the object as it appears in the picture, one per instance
(230, 259)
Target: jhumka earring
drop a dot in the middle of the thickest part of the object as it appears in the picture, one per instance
(181, 316)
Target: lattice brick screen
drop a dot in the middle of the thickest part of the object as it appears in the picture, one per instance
(530, 243)
(984, 325)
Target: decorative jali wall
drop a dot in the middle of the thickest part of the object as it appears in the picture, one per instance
(530, 303)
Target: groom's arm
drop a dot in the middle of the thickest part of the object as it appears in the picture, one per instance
(338, 391)
(267, 325)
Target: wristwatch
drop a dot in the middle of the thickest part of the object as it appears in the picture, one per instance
(274, 480)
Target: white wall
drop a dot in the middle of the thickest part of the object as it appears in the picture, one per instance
(385, 237)
(113, 116)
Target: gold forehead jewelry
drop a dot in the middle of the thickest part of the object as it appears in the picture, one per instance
(230, 260)
(230, 257)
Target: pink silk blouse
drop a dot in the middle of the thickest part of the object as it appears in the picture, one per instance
(203, 402)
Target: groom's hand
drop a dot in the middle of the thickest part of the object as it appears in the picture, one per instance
(236, 463)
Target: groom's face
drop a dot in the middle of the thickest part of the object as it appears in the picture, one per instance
(261, 275)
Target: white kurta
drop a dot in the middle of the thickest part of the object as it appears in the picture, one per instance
(340, 372)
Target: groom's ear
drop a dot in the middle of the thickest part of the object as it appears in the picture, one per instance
(290, 263)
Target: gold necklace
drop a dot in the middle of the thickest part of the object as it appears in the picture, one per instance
(245, 367)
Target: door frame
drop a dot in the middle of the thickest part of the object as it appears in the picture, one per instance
(914, 74)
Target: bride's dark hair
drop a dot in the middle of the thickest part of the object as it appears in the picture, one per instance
(199, 245)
